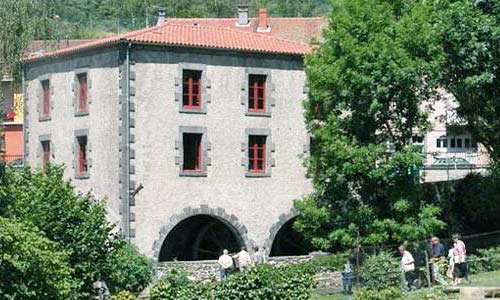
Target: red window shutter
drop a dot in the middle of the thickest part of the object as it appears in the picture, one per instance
(257, 93)
(257, 154)
(46, 153)
(46, 98)
(191, 89)
(83, 93)
(82, 156)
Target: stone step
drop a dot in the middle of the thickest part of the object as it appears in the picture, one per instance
(478, 292)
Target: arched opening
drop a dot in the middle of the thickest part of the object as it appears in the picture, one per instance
(200, 237)
(289, 242)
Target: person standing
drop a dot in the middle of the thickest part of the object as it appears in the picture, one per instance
(244, 260)
(459, 256)
(347, 276)
(438, 257)
(226, 264)
(260, 256)
(408, 266)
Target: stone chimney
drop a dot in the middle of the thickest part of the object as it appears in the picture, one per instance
(263, 25)
(243, 15)
(162, 12)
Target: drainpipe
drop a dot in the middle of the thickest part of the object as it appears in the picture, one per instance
(25, 111)
(127, 145)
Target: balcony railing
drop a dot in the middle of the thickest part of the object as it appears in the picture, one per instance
(457, 160)
(14, 160)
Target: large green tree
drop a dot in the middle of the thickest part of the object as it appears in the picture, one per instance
(368, 83)
(77, 224)
(470, 34)
(32, 266)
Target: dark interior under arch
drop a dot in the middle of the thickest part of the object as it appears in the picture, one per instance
(200, 237)
(288, 242)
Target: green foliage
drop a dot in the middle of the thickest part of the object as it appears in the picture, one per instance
(76, 224)
(469, 205)
(368, 82)
(123, 295)
(128, 270)
(33, 267)
(486, 260)
(258, 283)
(470, 34)
(383, 294)
(380, 272)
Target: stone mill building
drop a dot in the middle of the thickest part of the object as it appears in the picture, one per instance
(192, 130)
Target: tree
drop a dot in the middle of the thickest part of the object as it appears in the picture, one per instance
(470, 34)
(75, 222)
(368, 83)
(33, 267)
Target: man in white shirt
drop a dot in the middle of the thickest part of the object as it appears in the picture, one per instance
(408, 265)
(225, 263)
(244, 260)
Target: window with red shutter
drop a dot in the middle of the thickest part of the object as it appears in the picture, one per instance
(82, 166)
(257, 153)
(46, 98)
(257, 93)
(192, 152)
(82, 92)
(191, 89)
(46, 153)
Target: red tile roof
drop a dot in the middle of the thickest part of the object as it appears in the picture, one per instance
(295, 29)
(202, 35)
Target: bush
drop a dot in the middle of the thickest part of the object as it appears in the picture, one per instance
(383, 294)
(486, 260)
(123, 295)
(32, 267)
(258, 283)
(380, 271)
(128, 269)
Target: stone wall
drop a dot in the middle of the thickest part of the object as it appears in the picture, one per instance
(207, 269)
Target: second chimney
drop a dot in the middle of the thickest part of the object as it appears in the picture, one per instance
(263, 26)
(242, 15)
(162, 12)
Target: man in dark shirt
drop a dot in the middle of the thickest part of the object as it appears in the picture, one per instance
(438, 255)
(437, 248)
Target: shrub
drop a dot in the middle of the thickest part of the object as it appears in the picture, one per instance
(123, 295)
(258, 283)
(383, 294)
(486, 260)
(380, 271)
(127, 269)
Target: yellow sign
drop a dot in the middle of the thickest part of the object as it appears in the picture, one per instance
(18, 108)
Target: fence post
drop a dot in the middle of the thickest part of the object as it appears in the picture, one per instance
(427, 269)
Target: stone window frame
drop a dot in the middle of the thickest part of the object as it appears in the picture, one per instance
(42, 139)
(205, 86)
(205, 144)
(270, 88)
(270, 149)
(39, 105)
(78, 134)
(75, 89)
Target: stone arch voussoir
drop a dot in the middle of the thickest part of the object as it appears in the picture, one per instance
(273, 231)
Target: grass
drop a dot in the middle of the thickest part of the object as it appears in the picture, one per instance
(486, 279)
(482, 279)
(331, 297)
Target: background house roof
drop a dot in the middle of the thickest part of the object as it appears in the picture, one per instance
(289, 36)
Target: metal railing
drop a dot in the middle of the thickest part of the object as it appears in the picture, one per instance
(14, 160)
(457, 160)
